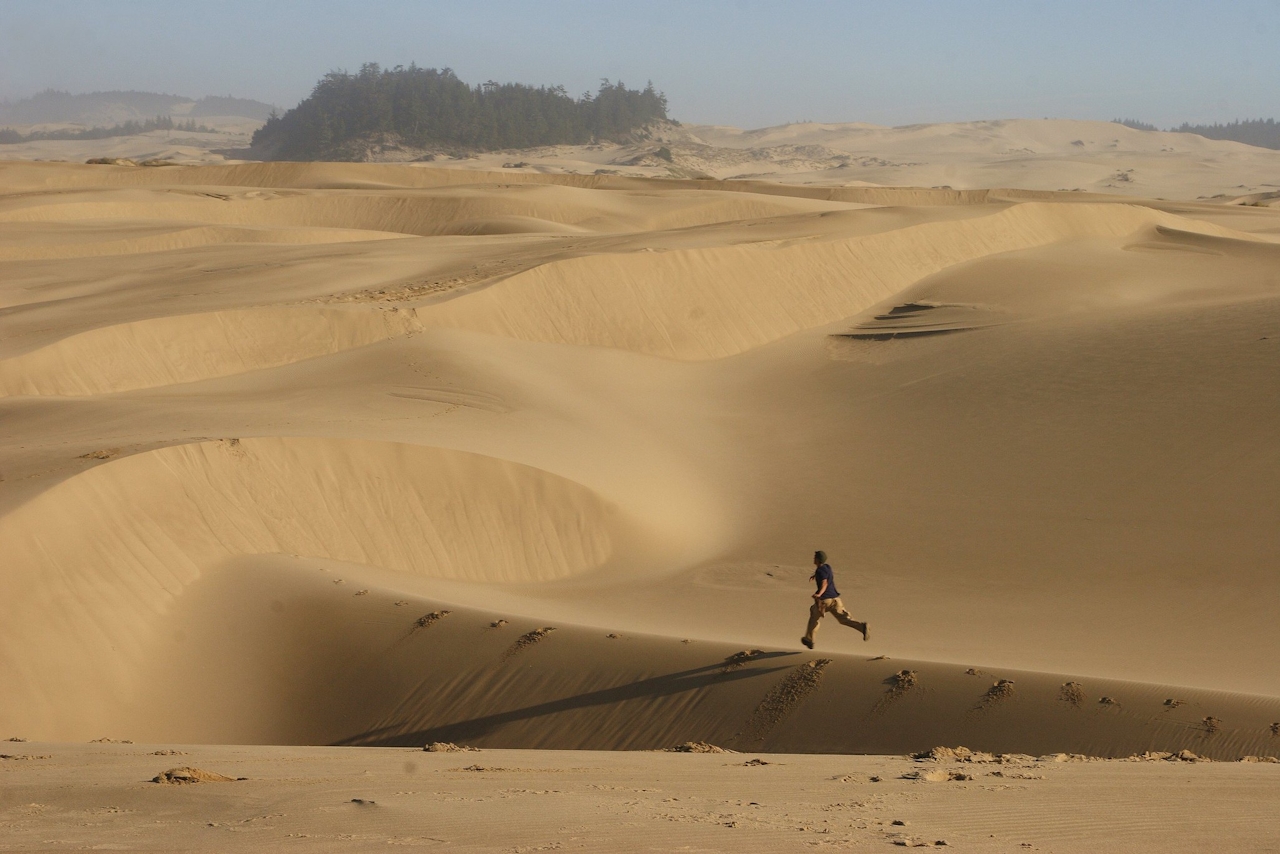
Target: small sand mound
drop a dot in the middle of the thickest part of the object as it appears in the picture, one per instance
(939, 775)
(944, 754)
(527, 640)
(1164, 756)
(1271, 759)
(697, 747)
(1073, 693)
(181, 776)
(448, 747)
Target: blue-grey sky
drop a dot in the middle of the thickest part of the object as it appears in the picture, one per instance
(749, 63)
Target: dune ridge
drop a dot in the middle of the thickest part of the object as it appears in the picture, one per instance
(713, 303)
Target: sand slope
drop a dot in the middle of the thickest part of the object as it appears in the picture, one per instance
(264, 420)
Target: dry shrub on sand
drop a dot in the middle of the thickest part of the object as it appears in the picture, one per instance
(1211, 724)
(1071, 692)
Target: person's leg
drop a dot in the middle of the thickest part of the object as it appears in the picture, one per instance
(837, 608)
(815, 614)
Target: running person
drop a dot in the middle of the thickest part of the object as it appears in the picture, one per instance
(827, 600)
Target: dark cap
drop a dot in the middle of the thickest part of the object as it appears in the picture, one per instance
(820, 556)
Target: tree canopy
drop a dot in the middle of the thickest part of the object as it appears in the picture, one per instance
(429, 107)
(129, 128)
(1264, 133)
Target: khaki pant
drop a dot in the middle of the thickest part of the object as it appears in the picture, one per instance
(822, 607)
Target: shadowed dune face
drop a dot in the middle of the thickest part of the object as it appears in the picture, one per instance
(1032, 432)
(101, 558)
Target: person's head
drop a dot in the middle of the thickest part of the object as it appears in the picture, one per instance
(819, 558)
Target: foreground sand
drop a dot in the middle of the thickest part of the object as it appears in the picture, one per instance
(380, 455)
(73, 797)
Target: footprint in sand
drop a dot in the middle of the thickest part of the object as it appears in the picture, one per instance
(900, 684)
(428, 620)
(783, 699)
(1001, 691)
(527, 640)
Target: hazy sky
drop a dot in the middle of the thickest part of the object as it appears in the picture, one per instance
(742, 62)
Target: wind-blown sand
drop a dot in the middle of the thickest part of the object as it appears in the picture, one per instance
(379, 456)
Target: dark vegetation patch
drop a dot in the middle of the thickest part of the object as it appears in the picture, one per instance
(432, 108)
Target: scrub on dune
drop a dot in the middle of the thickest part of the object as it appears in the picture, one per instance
(826, 600)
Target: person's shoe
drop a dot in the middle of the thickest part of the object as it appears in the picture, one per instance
(866, 632)
(807, 642)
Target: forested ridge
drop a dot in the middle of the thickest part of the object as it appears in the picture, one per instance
(1264, 133)
(9, 136)
(428, 107)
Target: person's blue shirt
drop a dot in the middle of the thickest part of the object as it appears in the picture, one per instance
(824, 573)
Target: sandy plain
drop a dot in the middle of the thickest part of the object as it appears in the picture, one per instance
(374, 456)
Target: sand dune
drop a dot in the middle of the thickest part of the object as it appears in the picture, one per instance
(314, 454)
(1083, 157)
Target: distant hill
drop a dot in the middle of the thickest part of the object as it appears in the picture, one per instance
(426, 107)
(118, 107)
(225, 105)
(1264, 133)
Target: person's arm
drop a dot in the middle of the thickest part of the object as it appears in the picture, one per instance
(821, 589)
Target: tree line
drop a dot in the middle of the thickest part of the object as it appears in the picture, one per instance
(428, 107)
(1264, 133)
(129, 128)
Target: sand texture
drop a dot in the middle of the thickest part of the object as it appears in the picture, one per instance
(327, 799)
(386, 456)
